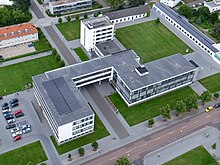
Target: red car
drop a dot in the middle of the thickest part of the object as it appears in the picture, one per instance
(16, 138)
(17, 112)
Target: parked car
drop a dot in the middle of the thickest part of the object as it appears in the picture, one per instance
(25, 126)
(1, 57)
(26, 130)
(15, 104)
(15, 100)
(30, 45)
(217, 105)
(17, 112)
(10, 126)
(16, 138)
(11, 121)
(208, 109)
(9, 117)
(19, 115)
(16, 133)
(6, 111)
(5, 106)
(14, 130)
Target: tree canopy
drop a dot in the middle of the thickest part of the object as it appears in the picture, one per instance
(116, 4)
(136, 2)
(123, 161)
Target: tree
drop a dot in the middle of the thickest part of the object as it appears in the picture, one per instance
(57, 57)
(77, 17)
(157, 20)
(191, 102)
(151, 122)
(136, 2)
(206, 96)
(54, 51)
(69, 157)
(85, 15)
(95, 146)
(216, 95)
(204, 11)
(185, 10)
(123, 161)
(62, 63)
(43, 163)
(213, 17)
(22, 4)
(60, 20)
(165, 112)
(81, 151)
(116, 4)
(216, 30)
(180, 106)
(214, 146)
(68, 18)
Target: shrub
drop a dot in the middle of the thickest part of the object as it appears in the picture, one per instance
(85, 16)
(60, 20)
(68, 18)
(81, 151)
(95, 146)
(54, 51)
(216, 95)
(62, 63)
(57, 57)
(77, 17)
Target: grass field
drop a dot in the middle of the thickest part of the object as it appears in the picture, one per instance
(81, 54)
(33, 153)
(151, 41)
(141, 112)
(43, 43)
(17, 75)
(100, 132)
(197, 156)
(70, 30)
(211, 83)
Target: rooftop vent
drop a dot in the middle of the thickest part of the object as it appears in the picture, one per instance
(141, 71)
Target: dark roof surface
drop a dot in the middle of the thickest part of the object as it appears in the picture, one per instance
(127, 12)
(182, 21)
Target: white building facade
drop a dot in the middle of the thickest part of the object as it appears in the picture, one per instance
(171, 3)
(66, 6)
(94, 31)
(182, 24)
(17, 34)
(213, 5)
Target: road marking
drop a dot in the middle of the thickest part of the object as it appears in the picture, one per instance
(113, 158)
(170, 133)
(196, 121)
(208, 116)
(128, 151)
(184, 127)
(157, 139)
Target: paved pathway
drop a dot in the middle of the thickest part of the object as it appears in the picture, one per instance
(23, 59)
(198, 87)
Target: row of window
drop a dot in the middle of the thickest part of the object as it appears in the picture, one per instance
(82, 130)
(103, 30)
(83, 120)
(128, 18)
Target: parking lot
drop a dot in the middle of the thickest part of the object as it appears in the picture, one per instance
(16, 50)
(39, 127)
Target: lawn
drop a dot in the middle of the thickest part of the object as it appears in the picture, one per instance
(81, 54)
(211, 83)
(198, 156)
(14, 77)
(42, 44)
(70, 30)
(100, 132)
(151, 41)
(141, 112)
(33, 153)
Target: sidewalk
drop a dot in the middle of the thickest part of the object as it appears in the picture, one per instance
(23, 59)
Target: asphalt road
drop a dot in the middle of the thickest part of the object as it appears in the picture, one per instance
(36, 10)
(137, 149)
(119, 129)
(60, 45)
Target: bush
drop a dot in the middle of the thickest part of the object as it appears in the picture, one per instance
(62, 63)
(81, 151)
(157, 20)
(216, 95)
(54, 51)
(68, 18)
(57, 57)
(95, 146)
(60, 20)
(77, 17)
(151, 122)
(85, 16)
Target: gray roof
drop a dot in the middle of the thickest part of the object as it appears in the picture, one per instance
(96, 22)
(212, 4)
(127, 12)
(63, 2)
(108, 47)
(66, 103)
(182, 21)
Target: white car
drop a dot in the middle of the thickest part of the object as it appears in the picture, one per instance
(16, 133)
(14, 130)
(25, 126)
(11, 121)
(7, 110)
(26, 130)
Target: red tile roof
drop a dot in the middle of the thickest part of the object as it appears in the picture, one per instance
(17, 31)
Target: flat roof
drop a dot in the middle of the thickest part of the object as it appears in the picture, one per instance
(97, 22)
(182, 21)
(108, 47)
(63, 2)
(66, 103)
(213, 4)
(127, 12)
